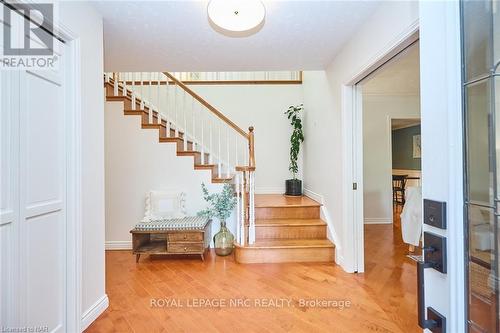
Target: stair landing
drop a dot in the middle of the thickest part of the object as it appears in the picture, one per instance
(287, 229)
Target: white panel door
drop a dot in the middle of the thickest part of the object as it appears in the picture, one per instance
(9, 198)
(43, 198)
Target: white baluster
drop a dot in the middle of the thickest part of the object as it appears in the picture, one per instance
(219, 166)
(251, 233)
(242, 208)
(167, 107)
(202, 137)
(228, 168)
(150, 103)
(106, 76)
(132, 90)
(115, 84)
(210, 147)
(184, 111)
(158, 92)
(124, 91)
(236, 151)
(142, 90)
(175, 108)
(238, 221)
(193, 110)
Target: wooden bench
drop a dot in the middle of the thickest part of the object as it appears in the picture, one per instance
(174, 239)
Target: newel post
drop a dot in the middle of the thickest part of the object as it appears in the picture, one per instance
(251, 148)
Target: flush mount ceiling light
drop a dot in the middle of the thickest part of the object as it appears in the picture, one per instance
(236, 18)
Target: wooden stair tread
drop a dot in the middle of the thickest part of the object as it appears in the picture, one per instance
(204, 166)
(288, 222)
(280, 200)
(188, 152)
(172, 139)
(290, 244)
(221, 180)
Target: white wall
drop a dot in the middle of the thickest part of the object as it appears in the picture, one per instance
(136, 162)
(317, 100)
(323, 167)
(263, 107)
(378, 110)
(86, 23)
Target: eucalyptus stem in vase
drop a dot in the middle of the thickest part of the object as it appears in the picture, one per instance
(220, 206)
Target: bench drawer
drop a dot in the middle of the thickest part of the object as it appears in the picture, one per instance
(185, 247)
(185, 237)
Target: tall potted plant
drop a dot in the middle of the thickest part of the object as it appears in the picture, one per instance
(294, 185)
(220, 206)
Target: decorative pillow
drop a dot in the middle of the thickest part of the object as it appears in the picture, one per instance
(165, 205)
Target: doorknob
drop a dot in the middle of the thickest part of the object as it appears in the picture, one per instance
(434, 256)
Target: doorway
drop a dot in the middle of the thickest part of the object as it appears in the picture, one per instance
(389, 101)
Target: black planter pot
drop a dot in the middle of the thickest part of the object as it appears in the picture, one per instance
(293, 187)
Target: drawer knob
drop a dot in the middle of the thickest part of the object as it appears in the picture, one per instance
(185, 236)
(185, 249)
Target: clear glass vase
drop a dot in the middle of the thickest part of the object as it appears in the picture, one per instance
(224, 241)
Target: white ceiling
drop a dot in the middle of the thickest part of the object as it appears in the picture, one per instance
(401, 76)
(176, 36)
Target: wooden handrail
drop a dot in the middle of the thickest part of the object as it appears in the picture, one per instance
(208, 105)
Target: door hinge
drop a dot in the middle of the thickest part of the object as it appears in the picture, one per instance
(354, 186)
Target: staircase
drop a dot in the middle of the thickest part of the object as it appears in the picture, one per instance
(287, 229)
(270, 228)
(170, 129)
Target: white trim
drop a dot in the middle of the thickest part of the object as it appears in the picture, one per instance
(269, 190)
(313, 195)
(325, 216)
(74, 188)
(352, 153)
(94, 312)
(405, 39)
(118, 245)
(377, 220)
(441, 101)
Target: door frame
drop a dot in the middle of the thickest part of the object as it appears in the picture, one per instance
(352, 154)
(73, 134)
(390, 118)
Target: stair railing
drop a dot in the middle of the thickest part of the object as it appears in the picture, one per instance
(181, 113)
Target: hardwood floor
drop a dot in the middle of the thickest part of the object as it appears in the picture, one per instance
(381, 300)
(389, 274)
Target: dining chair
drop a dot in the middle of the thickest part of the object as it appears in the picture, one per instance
(398, 189)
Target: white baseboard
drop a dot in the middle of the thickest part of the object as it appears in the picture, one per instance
(377, 220)
(118, 245)
(94, 311)
(313, 195)
(325, 216)
(269, 190)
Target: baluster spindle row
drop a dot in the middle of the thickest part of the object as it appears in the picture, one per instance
(167, 100)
